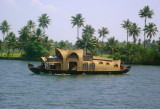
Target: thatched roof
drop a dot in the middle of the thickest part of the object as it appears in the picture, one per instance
(43, 59)
(102, 58)
(66, 53)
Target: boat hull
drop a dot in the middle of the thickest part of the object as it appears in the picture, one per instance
(40, 70)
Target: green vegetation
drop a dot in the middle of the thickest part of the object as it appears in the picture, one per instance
(146, 13)
(35, 49)
(102, 33)
(33, 42)
(4, 27)
(77, 21)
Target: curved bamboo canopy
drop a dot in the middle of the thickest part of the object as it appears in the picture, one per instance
(66, 53)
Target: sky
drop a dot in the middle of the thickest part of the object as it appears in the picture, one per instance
(97, 13)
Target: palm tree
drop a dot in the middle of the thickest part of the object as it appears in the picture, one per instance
(87, 42)
(39, 34)
(78, 21)
(102, 33)
(48, 44)
(112, 45)
(150, 30)
(89, 30)
(24, 38)
(44, 21)
(62, 44)
(146, 13)
(31, 25)
(24, 34)
(126, 25)
(4, 27)
(11, 42)
(139, 41)
(134, 31)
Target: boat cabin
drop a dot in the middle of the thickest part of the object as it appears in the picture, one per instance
(76, 60)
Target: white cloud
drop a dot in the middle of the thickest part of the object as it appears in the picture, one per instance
(48, 7)
(12, 3)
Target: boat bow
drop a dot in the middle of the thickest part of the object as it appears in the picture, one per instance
(33, 69)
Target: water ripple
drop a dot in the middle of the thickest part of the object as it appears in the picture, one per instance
(20, 89)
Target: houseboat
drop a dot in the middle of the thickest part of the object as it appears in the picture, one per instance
(76, 62)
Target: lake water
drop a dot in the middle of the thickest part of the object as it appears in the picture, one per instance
(21, 89)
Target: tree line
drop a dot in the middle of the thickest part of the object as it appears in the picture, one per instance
(33, 41)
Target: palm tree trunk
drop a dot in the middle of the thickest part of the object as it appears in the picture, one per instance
(8, 54)
(43, 29)
(30, 33)
(134, 39)
(112, 51)
(77, 32)
(1, 52)
(127, 37)
(21, 52)
(127, 43)
(129, 57)
(144, 31)
(13, 53)
(3, 36)
(102, 47)
(86, 50)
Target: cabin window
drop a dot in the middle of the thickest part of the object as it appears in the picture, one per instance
(85, 66)
(107, 63)
(116, 65)
(100, 62)
(55, 66)
(52, 67)
(92, 66)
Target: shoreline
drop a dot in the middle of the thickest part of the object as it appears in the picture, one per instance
(19, 58)
(38, 59)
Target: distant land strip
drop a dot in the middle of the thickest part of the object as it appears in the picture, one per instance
(19, 58)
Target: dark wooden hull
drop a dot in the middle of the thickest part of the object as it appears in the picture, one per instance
(41, 70)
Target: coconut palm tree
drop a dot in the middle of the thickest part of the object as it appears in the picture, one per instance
(48, 44)
(78, 21)
(112, 45)
(89, 30)
(39, 34)
(44, 21)
(134, 31)
(24, 38)
(11, 42)
(4, 27)
(126, 25)
(62, 45)
(150, 30)
(102, 33)
(87, 42)
(146, 13)
(24, 34)
(31, 25)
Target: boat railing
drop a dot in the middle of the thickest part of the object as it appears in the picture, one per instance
(87, 58)
(53, 59)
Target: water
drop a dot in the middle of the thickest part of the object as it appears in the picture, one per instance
(21, 89)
